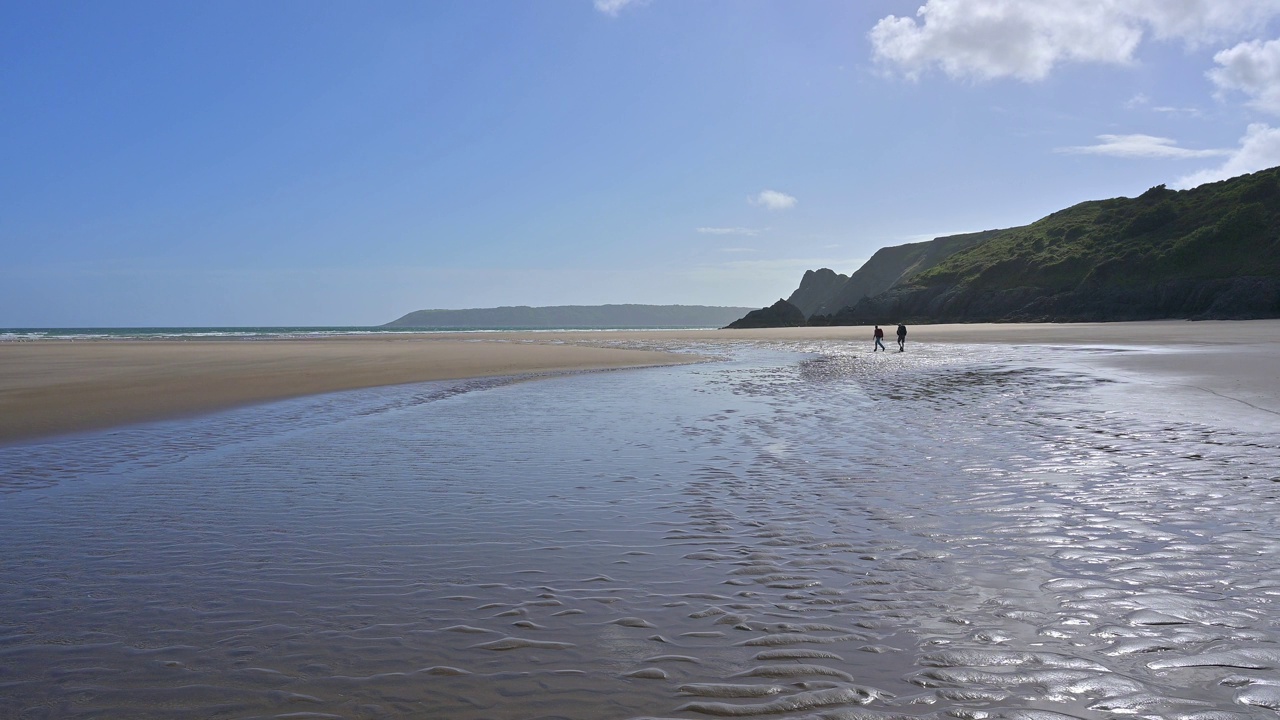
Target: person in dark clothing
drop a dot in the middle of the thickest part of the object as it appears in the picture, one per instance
(902, 337)
(879, 336)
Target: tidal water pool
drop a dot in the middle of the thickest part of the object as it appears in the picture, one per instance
(790, 531)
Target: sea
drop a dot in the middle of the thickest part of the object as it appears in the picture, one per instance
(786, 530)
(270, 332)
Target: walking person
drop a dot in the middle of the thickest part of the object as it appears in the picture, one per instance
(902, 337)
(879, 336)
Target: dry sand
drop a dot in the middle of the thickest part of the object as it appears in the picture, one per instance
(57, 386)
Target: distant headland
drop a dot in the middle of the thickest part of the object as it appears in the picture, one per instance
(553, 317)
(1211, 252)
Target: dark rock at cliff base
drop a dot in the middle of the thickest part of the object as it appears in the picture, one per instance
(779, 314)
(1239, 298)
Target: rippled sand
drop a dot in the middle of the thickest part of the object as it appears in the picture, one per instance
(798, 531)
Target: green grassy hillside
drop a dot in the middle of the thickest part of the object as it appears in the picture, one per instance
(1212, 251)
(1218, 230)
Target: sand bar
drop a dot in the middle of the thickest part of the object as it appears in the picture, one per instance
(57, 386)
(50, 387)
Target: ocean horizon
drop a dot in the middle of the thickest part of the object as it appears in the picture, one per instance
(285, 331)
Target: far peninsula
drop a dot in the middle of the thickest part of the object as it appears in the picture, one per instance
(572, 317)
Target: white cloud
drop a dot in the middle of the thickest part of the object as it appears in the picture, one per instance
(1141, 146)
(613, 7)
(774, 200)
(749, 232)
(1252, 68)
(1026, 39)
(1259, 149)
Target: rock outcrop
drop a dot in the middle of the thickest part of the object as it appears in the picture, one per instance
(817, 287)
(891, 265)
(779, 314)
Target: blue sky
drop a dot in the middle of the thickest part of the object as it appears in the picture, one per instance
(320, 163)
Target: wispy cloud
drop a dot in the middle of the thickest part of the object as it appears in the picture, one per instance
(739, 250)
(774, 200)
(613, 7)
(748, 232)
(987, 39)
(1138, 101)
(1259, 149)
(1142, 101)
(1141, 146)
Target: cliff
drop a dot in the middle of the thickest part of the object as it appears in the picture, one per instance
(891, 265)
(1208, 252)
(822, 293)
(780, 314)
(816, 287)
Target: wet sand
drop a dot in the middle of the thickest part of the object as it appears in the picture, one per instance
(58, 386)
(799, 530)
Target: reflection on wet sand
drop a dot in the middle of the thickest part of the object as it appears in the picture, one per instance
(796, 532)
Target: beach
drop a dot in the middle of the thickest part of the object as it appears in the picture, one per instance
(52, 387)
(59, 386)
(1005, 521)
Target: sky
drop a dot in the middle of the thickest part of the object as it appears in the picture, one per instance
(305, 162)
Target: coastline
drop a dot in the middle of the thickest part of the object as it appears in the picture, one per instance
(52, 387)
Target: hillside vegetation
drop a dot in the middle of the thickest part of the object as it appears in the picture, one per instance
(1213, 251)
(1209, 252)
(1209, 232)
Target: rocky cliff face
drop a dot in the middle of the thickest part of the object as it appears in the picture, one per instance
(779, 314)
(824, 292)
(891, 265)
(816, 288)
